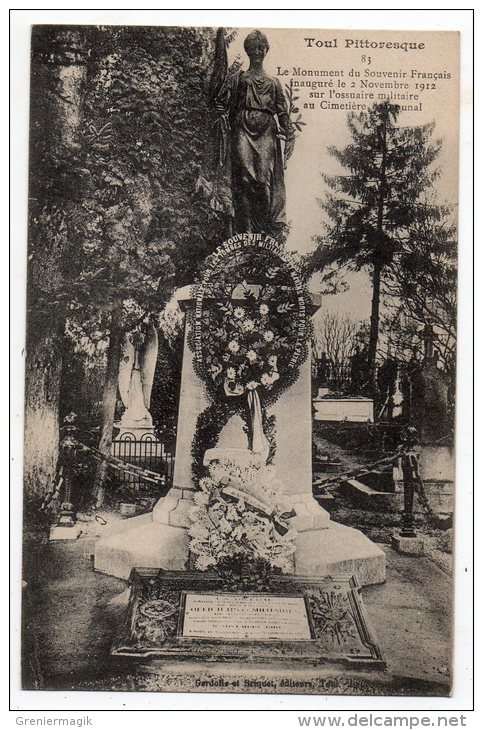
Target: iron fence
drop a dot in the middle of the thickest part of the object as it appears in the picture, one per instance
(148, 452)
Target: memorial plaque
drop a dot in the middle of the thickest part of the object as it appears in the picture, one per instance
(235, 617)
(182, 615)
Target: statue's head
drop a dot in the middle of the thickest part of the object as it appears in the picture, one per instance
(256, 44)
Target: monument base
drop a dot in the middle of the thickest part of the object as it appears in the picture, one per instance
(142, 542)
(340, 549)
(160, 539)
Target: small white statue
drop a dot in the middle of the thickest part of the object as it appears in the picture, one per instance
(136, 375)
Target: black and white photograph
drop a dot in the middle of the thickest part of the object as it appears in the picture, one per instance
(240, 391)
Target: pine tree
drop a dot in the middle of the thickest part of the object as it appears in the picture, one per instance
(371, 206)
(423, 290)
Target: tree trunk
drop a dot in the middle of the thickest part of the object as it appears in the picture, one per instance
(374, 330)
(378, 266)
(109, 397)
(58, 73)
(41, 437)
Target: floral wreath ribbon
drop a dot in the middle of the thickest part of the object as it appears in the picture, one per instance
(260, 443)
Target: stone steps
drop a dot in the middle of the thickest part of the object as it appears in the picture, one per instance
(323, 466)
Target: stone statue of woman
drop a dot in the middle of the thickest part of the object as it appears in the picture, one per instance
(136, 375)
(252, 122)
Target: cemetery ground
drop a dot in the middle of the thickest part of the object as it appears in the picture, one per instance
(71, 614)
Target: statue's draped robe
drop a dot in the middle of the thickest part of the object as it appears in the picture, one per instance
(253, 115)
(136, 376)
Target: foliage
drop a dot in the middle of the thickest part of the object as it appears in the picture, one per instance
(152, 92)
(386, 163)
(129, 216)
(295, 118)
(124, 263)
(423, 290)
(236, 520)
(117, 222)
(371, 209)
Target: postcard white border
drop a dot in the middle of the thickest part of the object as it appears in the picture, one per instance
(383, 18)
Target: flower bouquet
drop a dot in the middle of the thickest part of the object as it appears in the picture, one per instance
(245, 347)
(240, 527)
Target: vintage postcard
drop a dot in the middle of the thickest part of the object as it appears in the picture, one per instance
(240, 390)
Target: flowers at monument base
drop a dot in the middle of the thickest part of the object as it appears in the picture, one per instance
(239, 518)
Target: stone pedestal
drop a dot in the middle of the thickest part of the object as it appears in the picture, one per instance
(437, 468)
(160, 539)
(408, 545)
(63, 532)
(136, 428)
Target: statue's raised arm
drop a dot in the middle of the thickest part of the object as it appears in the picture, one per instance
(220, 66)
(219, 93)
